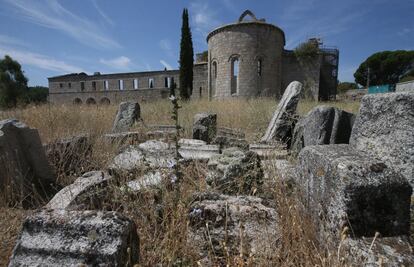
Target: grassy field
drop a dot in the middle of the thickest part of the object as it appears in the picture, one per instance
(166, 242)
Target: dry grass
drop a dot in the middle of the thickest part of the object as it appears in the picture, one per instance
(163, 236)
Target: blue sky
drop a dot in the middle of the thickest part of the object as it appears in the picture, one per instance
(51, 37)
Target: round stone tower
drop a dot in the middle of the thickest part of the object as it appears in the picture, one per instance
(245, 59)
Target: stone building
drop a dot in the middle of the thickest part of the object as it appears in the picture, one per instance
(244, 59)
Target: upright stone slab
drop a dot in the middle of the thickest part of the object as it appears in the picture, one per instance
(348, 188)
(205, 126)
(281, 125)
(76, 238)
(384, 128)
(23, 161)
(128, 114)
(321, 126)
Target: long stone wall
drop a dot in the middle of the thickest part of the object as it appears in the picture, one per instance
(107, 97)
(405, 87)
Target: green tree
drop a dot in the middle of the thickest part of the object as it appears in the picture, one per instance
(186, 58)
(307, 51)
(386, 67)
(13, 83)
(345, 86)
(37, 94)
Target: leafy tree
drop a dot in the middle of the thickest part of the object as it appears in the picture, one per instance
(186, 58)
(37, 94)
(345, 86)
(13, 83)
(385, 67)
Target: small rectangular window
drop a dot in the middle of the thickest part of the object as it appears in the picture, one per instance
(70, 85)
(106, 85)
(94, 85)
(151, 83)
(166, 82)
(135, 83)
(60, 85)
(121, 84)
(82, 86)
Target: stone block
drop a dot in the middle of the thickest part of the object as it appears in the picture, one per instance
(384, 128)
(347, 188)
(76, 238)
(123, 138)
(193, 149)
(128, 113)
(205, 126)
(23, 160)
(81, 193)
(281, 125)
(235, 172)
(321, 126)
(221, 224)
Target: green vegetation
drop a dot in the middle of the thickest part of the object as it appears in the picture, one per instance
(186, 59)
(13, 86)
(13, 83)
(307, 51)
(386, 67)
(345, 86)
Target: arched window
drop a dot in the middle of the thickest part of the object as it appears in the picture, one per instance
(214, 72)
(234, 75)
(259, 67)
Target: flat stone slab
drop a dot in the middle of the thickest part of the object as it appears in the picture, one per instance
(230, 132)
(75, 195)
(266, 151)
(130, 138)
(197, 149)
(148, 180)
(347, 188)
(76, 238)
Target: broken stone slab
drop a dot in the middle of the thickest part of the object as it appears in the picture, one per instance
(226, 142)
(205, 126)
(128, 113)
(80, 193)
(383, 251)
(384, 128)
(193, 149)
(148, 180)
(347, 188)
(235, 172)
(279, 170)
(23, 160)
(76, 238)
(221, 224)
(321, 126)
(69, 154)
(267, 151)
(150, 154)
(281, 125)
(130, 138)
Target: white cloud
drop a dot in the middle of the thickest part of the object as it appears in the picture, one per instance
(405, 31)
(166, 46)
(204, 19)
(4, 39)
(51, 14)
(165, 64)
(103, 14)
(121, 63)
(39, 60)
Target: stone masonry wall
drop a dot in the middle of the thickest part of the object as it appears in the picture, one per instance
(249, 42)
(200, 81)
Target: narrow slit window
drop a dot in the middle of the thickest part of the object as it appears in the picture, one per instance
(151, 83)
(135, 83)
(259, 67)
(94, 85)
(121, 84)
(234, 76)
(82, 86)
(106, 85)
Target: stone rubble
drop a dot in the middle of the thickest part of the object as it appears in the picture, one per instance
(205, 126)
(128, 113)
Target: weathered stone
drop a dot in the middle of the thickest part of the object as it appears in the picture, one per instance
(321, 126)
(68, 155)
(23, 160)
(230, 132)
(383, 251)
(265, 151)
(81, 193)
(148, 180)
(205, 126)
(384, 128)
(76, 238)
(227, 142)
(235, 172)
(193, 149)
(347, 188)
(281, 125)
(128, 114)
(152, 154)
(221, 224)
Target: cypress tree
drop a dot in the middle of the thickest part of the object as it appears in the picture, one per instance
(186, 58)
